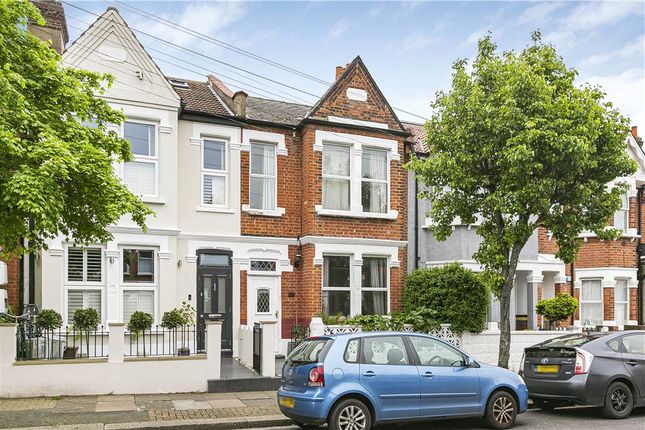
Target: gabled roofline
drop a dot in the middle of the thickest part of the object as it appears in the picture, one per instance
(127, 28)
(355, 63)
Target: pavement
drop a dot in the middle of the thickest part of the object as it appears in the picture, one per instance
(114, 412)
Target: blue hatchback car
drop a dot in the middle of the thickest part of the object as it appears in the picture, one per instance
(355, 381)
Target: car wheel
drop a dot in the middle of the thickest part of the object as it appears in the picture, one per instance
(619, 401)
(501, 410)
(350, 414)
(545, 405)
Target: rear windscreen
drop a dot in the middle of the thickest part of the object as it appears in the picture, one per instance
(307, 352)
(572, 340)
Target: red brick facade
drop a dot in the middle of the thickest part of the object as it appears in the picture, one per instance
(13, 284)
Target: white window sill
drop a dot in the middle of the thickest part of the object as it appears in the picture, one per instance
(214, 210)
(279, 212)
(153, 200)
(390, 215)
(630, 233)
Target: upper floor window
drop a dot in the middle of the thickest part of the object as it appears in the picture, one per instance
(139, 266)
(374, 180)
(214, 173)
(84, 265)
(263, 176)
(140, 174)
(336, 174)
(621, 217)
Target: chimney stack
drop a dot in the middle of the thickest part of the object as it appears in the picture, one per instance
(55, 29)
(635, 130)
(239, 104)
(339, 71)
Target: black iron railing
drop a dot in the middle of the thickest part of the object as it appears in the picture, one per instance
(33, 343)
(161, 341)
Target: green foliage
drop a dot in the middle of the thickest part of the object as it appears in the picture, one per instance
(172, 319)
(557, 308)
(370, 322)
(337, 319)
(49, 319)
(85, 319)
(516, 144)
(9, 316)
(55, 171)
(422, 320)
(139, 321)
(188, 313)
(456, 295)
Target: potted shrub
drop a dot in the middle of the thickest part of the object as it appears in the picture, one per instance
(138, 323)
(180, 318)
(557, 308)
(49, 320)
(83, 321)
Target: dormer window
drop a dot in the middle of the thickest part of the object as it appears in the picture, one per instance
(177, 83)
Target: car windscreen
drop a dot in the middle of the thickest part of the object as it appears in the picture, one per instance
(307, 352)
(572, 340)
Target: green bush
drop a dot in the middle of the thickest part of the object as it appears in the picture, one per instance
(49, 319)
(139, 321)
(456, 295)
(8, 317)
(85, 319)
(558, 308)
(172, 319)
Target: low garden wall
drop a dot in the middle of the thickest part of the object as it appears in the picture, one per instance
(116, 373)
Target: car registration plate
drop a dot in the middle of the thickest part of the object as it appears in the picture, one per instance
(547, 368)
(287, 402)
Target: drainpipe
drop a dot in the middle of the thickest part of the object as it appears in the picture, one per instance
(639, 255)
(572, 288)
(416, 223)
(32, 271)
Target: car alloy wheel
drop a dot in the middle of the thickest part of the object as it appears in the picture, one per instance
(351, 417)
(503, 410)
(619, 400)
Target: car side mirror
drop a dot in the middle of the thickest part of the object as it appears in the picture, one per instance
(469, 362)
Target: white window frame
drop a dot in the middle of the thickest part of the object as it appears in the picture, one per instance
(387, 284)
(626, 302)
(148, 159)
(257, 175)
(385, 181)
(264, 272)
(84, 282)
(601, 301)
(347, 178)
(357, 142)
(99, 288)
(155, 300)
(349, 289)
(623, 212)
(155, 260)
(212, 172)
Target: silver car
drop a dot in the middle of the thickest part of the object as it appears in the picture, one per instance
(597, 369)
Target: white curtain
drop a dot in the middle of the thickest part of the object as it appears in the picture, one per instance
(374, 171)
(263, 177)
(591, 311)
(621, 301)
(336, 190)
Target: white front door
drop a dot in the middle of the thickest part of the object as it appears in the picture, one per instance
(264, 301)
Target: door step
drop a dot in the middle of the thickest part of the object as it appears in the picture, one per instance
(243, 384)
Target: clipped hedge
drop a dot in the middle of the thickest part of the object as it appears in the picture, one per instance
(457, 295)
(557, 308)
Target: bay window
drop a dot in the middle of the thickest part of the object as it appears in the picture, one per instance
(621, 302)
(263, 183)
(138, 300)
(591, 306)
(139, 266)
(214, 173)
(336, 174)
(336, 285)
(374, 286)
(374, 184)
(140, 174)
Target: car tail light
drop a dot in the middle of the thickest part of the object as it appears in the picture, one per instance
(583, 361)
(316, 377)
(521, 368)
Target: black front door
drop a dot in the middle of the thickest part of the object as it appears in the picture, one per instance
(214, 295)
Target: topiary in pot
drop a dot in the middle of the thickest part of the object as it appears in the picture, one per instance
(557, 308)
(180, 317)
(84, 321)
(49, 320)
(138, 323)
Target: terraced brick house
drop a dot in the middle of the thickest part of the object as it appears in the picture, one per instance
(265, 210)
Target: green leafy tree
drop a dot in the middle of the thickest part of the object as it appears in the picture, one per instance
(56, 174)
(557, 308)
(516, 143)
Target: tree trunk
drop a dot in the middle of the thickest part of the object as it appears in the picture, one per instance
(505, 308)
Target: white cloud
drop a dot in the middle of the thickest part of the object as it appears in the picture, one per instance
(562, 39)
(634, 49)
(625, 91)
(376, 11)
(539, 12)
(596, 14)
(474, 37)
(338, 29)
(418, 40)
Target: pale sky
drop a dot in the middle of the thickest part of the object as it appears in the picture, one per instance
(407, 46)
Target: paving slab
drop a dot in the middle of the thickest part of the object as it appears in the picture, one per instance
(116, 398)
(189, 404)
(217, 396)
(260, 402)
(138, 397)
(150, 405)
(248, 395)
(226, 403)
(115, 406)
(186, 396)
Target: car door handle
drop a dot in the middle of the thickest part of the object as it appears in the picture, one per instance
(632, 363)
(428, 375)
(369, 373)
